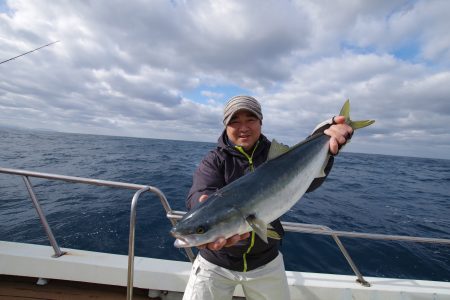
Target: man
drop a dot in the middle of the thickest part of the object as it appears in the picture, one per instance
(244, 259)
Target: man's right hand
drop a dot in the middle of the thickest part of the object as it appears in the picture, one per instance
(222, 242)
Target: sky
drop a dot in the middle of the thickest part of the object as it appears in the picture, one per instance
(165, 69)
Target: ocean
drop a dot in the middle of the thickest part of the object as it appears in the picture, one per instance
(363, 193)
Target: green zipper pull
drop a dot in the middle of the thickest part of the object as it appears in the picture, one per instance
(249, 158)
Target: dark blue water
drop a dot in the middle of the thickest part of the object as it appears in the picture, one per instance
(363, 193)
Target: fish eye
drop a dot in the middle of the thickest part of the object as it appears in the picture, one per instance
(200, 230)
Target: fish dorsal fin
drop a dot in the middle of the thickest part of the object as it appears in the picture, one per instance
(276, 149)
(258, 226)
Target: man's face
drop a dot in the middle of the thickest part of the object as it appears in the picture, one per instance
(244, 129)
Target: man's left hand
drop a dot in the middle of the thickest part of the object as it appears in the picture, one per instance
(340, 133)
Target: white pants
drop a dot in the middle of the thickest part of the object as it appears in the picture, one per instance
(211, 282)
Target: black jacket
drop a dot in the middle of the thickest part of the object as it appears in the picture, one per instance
(219, 168)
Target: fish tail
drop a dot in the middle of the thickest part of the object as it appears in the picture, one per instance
(345, 111)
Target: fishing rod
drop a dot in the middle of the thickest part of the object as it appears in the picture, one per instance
(28, 52)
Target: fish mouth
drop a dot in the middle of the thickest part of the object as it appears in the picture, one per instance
(180, 241)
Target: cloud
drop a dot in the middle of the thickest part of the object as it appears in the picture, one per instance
(417, 27)
(402, 97)
(164, 68)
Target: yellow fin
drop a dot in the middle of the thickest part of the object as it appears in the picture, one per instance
(258, 226)
(345, 111)
(273, 234)
(276, 149)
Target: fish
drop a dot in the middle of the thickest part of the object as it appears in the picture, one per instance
(253, 201)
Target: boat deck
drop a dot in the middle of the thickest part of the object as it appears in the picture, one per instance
(17, 287)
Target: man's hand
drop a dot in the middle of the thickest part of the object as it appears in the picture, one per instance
(340, 133)
(222, 242)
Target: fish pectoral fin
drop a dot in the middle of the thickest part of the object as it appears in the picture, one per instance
(259, 226)
(272, 234)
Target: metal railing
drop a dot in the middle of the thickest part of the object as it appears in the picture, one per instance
(137, 187)
(324, 230)
(173, 216)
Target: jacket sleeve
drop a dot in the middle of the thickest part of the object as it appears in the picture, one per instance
(320, 128)
(207, 179)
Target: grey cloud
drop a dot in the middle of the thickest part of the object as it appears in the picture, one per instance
(125, 68)
(404, 99)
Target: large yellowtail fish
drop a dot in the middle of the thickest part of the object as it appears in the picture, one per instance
(255, 200)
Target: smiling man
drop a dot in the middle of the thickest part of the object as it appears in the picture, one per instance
(244, 259)
(243, 122)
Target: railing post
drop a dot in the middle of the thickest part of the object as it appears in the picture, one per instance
(169, 212)
(43, 219)
(131, 242)
(321, 229)
(347, 256)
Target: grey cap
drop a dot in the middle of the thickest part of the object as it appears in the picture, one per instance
(241, 102)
